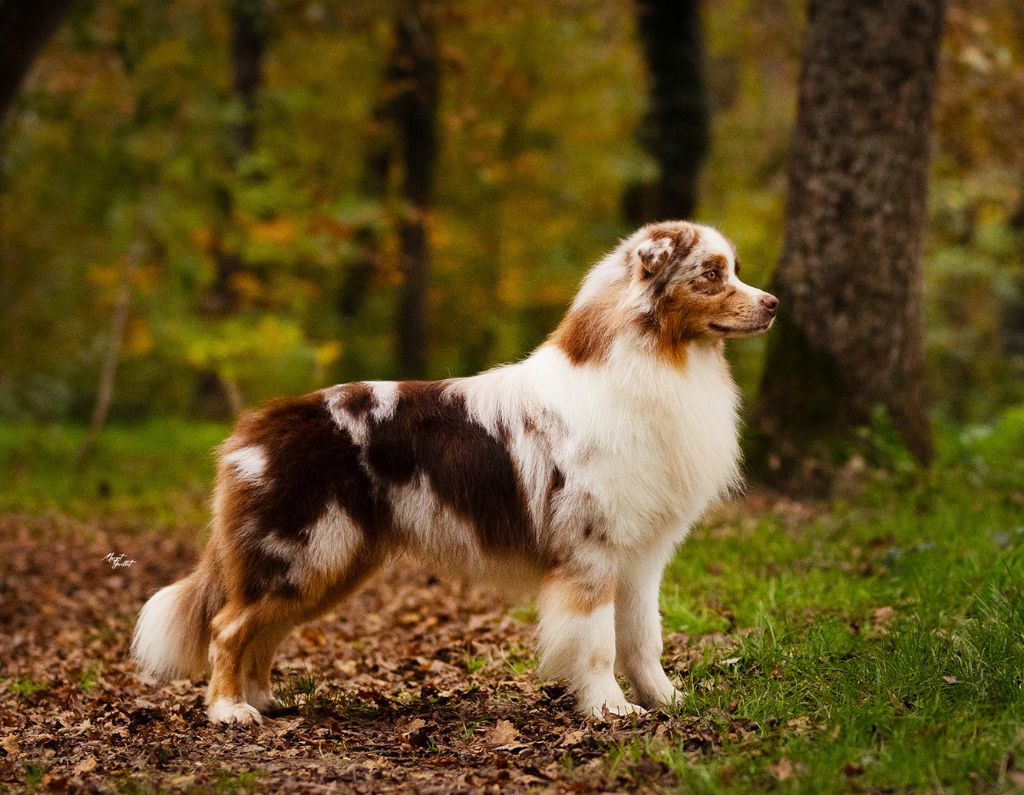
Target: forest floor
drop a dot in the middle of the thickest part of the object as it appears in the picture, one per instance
(415, 685)
(875, 643)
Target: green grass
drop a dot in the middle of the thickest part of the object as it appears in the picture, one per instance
(879, 644)
(230, 783)
(33, 774)
(155, 473)
(26, 686)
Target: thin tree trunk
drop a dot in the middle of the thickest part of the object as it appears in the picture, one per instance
(249, 33)
(849, 335)
(380, 156)
(676, 129)
(418, 72)
(25, 26)
(105, 391)
(248, 48)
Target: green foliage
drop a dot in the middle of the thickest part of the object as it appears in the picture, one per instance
(230, 783)
(124, 140)
(89, 678)
(33, 774)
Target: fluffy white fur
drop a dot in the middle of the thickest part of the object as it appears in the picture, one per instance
(162, 638)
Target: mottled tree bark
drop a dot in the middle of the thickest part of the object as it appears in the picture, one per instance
(248, 47)
(676, 129)
(24, 28)
(849, 334)
(417, 79)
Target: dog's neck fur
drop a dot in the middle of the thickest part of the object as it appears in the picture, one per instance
(657, 440)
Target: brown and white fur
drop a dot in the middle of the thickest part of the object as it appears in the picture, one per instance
(578, 469)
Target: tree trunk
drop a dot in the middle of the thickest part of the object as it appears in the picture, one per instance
(248, 47)
(249, 32)
(417, 78)
(105, 392)
(849, 334)
(676, 130)
(377, 165)
(24, 28)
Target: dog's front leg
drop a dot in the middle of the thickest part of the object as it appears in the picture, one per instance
(577, 640)
(638, 629)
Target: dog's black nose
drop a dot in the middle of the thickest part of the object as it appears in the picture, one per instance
(770, 303)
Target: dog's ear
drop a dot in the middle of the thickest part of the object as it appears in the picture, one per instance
(654, 253)
(660, 248)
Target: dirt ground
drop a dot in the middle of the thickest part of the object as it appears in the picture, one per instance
(414, 685)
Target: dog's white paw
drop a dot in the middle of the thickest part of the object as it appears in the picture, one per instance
(653, 688)
(267, 703)
(224, 710)
(616, 708)
(669, 697)
(263, 700)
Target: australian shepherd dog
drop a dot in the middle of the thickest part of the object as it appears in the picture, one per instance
(577, 470)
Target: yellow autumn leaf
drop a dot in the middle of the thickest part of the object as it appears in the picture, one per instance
(328, 353)
(279, 231)
(137, 338)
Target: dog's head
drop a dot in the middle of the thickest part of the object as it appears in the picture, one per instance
(686, 281)
(669, 284)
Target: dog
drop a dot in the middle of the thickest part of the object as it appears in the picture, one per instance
(578, 470)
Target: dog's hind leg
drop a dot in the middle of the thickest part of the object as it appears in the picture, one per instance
(321, 593)
(240, 635)
(259, 659)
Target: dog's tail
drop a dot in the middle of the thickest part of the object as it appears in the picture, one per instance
(172, 636)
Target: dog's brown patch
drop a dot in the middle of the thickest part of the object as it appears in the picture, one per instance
(311, 464)
(659, 257)
(431, 432)
(358, 399)
(578, 593)
(587, 332)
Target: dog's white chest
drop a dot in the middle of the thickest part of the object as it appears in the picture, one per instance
(653, 446)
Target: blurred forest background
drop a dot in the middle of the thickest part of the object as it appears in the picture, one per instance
(226, 195)
(207, 204)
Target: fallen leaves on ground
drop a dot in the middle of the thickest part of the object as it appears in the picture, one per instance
(384, 700)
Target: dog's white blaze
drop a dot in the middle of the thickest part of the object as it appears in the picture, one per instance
(278, 547)
(386, 395)
(332, 541)
(753, 293)
(432, 528)
(249, 462)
